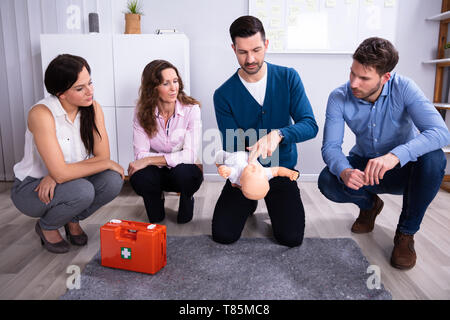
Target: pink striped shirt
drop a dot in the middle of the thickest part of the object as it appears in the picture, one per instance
(179, 142)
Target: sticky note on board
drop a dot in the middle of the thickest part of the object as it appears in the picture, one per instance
(368, 2)
(275, 23)
(272, 35)
(349, 2)
(277, 45)
(292, 21)
(261, 15)
(311, 5)
(330, 3)
(294, 10)
(389, 3)
(260, 3)
(276, 9)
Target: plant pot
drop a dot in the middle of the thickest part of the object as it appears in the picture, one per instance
(132, 23)
(446, 53)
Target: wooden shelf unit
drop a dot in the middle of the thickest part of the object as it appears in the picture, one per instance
(442, 106)
(445, 62)
(441, 63)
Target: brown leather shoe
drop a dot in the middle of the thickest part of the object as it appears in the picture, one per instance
(366, 219)
(403, 256)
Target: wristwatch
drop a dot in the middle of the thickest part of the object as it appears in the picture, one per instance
(280, 134)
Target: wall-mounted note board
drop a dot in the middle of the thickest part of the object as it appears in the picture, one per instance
(324, 26)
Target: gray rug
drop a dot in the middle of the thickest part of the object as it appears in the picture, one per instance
(251, 269)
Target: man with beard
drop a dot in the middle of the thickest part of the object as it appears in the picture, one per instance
(399, 136)
(268, 103)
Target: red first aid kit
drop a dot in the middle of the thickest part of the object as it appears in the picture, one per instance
(135, 246)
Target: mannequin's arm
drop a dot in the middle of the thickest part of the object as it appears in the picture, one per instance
(223, 170)
(284, 172)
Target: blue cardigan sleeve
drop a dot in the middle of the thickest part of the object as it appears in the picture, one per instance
(305, 126)
(225, 120)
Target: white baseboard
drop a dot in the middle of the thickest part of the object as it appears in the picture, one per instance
(309, 177)
(213, 177)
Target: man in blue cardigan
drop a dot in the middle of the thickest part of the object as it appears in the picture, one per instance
(254, 111)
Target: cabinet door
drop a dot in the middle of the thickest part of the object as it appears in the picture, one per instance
(110, 124)
(125, 136)
(133, 52)
(95, 48)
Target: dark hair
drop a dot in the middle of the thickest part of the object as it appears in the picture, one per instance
(246, 26)
(60, 75)
(149, 95)
(377, 53)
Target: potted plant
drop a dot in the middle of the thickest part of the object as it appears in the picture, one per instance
(133, 17)
(447, 50)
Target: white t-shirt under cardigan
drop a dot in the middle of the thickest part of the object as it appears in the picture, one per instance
(256, 89)
(69, 139)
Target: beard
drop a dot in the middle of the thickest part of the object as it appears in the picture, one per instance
(366, 95)
(252, 71)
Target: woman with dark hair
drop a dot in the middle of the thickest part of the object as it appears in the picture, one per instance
(66, 173)
(166, 138)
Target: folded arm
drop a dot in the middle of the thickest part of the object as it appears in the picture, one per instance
(42, 125)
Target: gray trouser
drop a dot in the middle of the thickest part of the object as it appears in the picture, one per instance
(72, 201)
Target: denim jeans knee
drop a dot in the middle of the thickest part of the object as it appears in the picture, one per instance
(326, 183)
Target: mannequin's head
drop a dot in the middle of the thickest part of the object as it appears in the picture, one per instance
(254, 182)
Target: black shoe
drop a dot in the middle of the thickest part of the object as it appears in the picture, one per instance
(76, 240)
(155, 209)
(59, 247)
(185, 210)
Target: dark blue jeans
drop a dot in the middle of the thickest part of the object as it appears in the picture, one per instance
(417, 181)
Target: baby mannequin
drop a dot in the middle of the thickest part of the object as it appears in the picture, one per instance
(252, 178)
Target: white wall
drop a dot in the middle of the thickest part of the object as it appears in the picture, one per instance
(206, 24)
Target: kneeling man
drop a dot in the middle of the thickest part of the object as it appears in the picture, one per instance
(399, 136)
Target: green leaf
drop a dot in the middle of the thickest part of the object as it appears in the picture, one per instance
(134, 6)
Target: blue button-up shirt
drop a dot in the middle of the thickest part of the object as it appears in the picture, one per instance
(401, 121)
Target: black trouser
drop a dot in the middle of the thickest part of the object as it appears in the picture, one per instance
(151, 181)
(284, 206)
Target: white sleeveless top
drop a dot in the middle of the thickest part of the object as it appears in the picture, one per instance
(69, 138)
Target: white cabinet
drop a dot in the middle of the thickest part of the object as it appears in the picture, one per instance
(95, 48)
(125, 135)
(117, 62)
(111, 125)
(133, 52)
